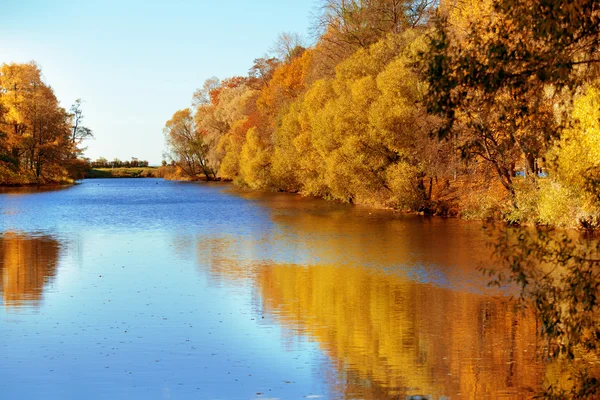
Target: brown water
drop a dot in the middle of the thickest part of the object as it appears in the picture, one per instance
(152, 289)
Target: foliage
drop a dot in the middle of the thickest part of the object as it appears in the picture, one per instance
(576, 156)
(508, 87)
(122, 172)
(498, 84)
(38, 139)
(116, 163)
(344, 26)
(254, 161)
(187, 146)
(558, 277)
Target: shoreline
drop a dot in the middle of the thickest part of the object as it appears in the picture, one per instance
(246, 189)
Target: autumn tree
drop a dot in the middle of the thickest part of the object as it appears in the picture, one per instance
(186, 146)
(504, 85)
(202, 96)
(261, 72)
(78, 131)
(497, 84)
(36, 128)
(288, 46)
(5, 156)
(218, 105)
(287, 82)
(344, 26)
(381, 155)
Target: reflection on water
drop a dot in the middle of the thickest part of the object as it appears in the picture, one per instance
(389, 336)
(313, 232)
(396, 302)
(25, 190)
(171, 290)
(27, 264)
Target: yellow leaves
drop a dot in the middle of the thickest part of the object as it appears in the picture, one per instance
(180, 128)
(563, 199)
(287, 83)
(37, 130)
(351, 137)
(579, 147)
(462, 13)
(317, 96)
(231, 146)
(254, 161)
(288, 151)
(340, 138)
(556, 204)
(587, 112)
(392, 115)
(363, 92)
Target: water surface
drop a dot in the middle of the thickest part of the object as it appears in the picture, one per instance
(152, 289)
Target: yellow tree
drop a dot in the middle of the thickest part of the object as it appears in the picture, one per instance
(287, 82)
(36, 127)
(17, 82)
(362, 137)
(571, 195)
(186, 146)
(496, 82)
(226, 104)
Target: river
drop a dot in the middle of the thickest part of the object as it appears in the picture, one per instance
(152, 289)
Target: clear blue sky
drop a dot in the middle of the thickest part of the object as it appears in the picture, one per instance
(134, 63)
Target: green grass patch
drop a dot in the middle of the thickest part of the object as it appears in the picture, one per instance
(146, 172)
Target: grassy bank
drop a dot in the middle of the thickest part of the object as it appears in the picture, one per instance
(146, 172)
(167, 172)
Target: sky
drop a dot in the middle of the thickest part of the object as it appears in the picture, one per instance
(134, 63)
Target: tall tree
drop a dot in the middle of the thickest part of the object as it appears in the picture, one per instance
(78, 131)
(498, 83)
(36, 127)
(261, 72)
(186, 146)
(288, 46)
(344, 26)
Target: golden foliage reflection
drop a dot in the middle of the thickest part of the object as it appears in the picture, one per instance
(27, 263)
(390, 336)
(395, 301)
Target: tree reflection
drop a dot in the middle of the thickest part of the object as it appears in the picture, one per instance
(389, 336)
(396, 302)
(27, 264)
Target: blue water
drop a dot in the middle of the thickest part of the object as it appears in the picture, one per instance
(151, 289)
(127, 314)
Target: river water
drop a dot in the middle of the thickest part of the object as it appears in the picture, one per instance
(150, 289)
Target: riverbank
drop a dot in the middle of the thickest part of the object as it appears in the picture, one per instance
(24, 180)
(145, 172)
(12, 178)
(168, 173)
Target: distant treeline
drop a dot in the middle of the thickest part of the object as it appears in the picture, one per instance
(473, 108)
(116, 163)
